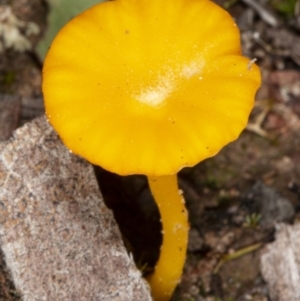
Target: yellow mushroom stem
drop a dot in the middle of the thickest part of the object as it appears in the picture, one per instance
(174, 219)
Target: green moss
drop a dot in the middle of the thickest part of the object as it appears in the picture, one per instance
(252, 220)
(211, 183)
(8, 78)
(227, 4)
(285, 7)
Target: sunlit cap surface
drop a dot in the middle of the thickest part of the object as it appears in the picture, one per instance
(148, 87)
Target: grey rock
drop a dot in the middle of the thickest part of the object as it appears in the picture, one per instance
(61, 243)
(280, 264)
(272, 207)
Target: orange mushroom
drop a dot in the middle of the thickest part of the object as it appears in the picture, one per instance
(150, 87)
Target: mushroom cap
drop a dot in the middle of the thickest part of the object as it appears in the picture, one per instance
(149, 87)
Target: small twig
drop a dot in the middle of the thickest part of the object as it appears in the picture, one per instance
(237, 254)
(256, 126)
(266, 15)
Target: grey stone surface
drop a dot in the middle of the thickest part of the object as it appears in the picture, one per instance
(280, 264)
(272, 207)
(59, 240)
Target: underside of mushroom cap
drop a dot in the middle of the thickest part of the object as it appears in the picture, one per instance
(149, 87)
